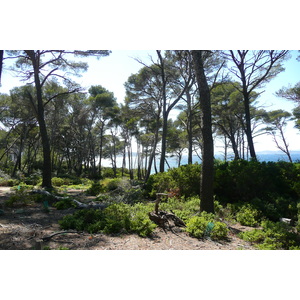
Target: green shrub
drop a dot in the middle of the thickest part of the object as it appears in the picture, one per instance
(95, 189)
(107, 172)
(22, 197)
(133, 195)
(219, 231)
(8, 182)
(253, 236)
(196, 226)
(64, 204)
(182, 181)
(23, 187)
(187, 179)
(272, 236)
(70, 179)
(139, 220)
(204, 225)
(271, 187)
(248, 215)
(298, 218)
(33, 179)
(159, 183)
(56, 181)
(183, 209)
(115, 218)
(19, 199)
(113, 184)
(82, 219)
(245, 180)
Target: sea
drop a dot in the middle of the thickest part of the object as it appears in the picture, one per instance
(266, 156)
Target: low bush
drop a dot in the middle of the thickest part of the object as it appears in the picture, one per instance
(33, 179)
(133, 195)
(206, 226)
(273, 236)
(248, 216)
(8, 182)
(21, 198)
(114, 219)
(219, 231)
(64, 204)
(196, 226)
(83, 220)
(271, 187)
(159, 183)
(244, 180)
(113, 184)
(139, 220)
(117, 217)
(185, 181)
(182, 208)
(57, 181)
(22, 187)
(95, 189)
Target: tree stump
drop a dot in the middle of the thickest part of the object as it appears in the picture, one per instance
(164, 218)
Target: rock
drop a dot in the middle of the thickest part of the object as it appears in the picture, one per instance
(285, 220)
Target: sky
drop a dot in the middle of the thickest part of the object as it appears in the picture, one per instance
(113, 71)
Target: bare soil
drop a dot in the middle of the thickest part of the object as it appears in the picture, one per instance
(24, 229)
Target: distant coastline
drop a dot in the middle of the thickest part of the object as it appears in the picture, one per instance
(266, 156)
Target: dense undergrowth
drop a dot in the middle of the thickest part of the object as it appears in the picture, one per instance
(255, 194)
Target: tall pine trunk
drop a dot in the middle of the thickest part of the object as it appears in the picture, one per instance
(207, 170)
(1, 63)
(41, 121)
(248, 129)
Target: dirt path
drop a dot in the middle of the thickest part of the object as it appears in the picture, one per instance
(4, 191)
(24, 229)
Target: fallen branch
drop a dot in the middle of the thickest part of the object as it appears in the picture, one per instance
(79, 205)
(49, 237)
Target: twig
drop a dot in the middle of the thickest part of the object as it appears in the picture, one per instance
(47, 238)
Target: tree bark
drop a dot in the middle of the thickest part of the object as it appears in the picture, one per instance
(189, 127)
(248, 130)
(207, 171)
(1, 63)
(41, 120)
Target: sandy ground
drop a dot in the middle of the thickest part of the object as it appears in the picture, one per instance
(25, 228)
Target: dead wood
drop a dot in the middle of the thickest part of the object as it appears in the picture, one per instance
(49, 237)
(79, 205)
(163, 218)
(159, 197)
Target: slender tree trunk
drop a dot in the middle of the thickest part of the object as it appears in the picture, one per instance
(207, 172)
(1, 63)
(41, 120)
(152, 154)
(286, 146)
(284, 149)
(234, 148)
(101, 149)
(189, 128)
(225, 148)
(248, 129)
(163, 141)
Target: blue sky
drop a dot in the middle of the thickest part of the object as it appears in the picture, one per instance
(113, 71)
